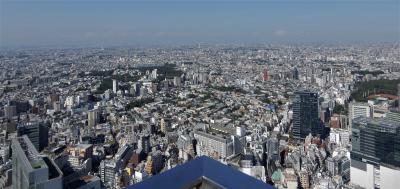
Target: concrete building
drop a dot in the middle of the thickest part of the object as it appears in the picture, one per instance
(154, 74)
(110, 168)
(10, 111)
(30, 170)
(213, 145)
(340, 137)
(79, 153)
(164, 125)
(177, 81)
(304, 179)
(93, 118)
(144, 143)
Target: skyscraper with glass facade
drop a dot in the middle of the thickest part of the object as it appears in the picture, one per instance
(37, 132)
(305, 115)
(376, 140)
(375, 155)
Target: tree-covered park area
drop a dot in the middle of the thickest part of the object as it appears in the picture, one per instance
(383, 86)
(168, 71)
(365, 72)
(139, 103)
(229, 89)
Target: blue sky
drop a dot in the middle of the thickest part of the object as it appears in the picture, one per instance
(167, 22)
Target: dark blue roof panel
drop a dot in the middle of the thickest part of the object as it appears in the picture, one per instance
(185, 175)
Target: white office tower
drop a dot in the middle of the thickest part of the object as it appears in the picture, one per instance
(154, 74)
(240, 131)
(115, 86)
(69, 102)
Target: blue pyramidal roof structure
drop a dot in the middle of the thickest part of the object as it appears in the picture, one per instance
(202, 172)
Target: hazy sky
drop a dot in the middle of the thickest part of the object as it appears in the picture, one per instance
(122, 22)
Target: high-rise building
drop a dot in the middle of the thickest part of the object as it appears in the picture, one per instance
(93, 118)
(265, 75)
(144, 144)
(295, 74)
(115, 86)
(30, 170)
(375, 155)
(10, 111)
(109, 168)
(177, 81)
(138, 85)
(272, 149)
(37, 132)
(163, 125)
(305, 115)
(154, 74)
(398, 95)
(57, 106)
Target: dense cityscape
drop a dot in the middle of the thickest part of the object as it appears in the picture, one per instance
(289, 116)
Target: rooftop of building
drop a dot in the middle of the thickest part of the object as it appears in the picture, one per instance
(382, 122)
(83, 181)
(214, 136)
(31, 153)
(354, 103)
(202, 172)
(84, 146)
(35, 159)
